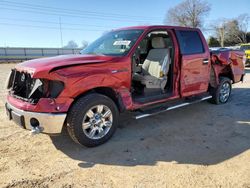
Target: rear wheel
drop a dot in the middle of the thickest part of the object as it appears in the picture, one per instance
(221, 94)
(92, 120)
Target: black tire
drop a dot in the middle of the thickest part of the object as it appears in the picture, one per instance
(79, 111)
(216, 92)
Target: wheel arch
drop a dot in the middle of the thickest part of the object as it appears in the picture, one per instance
(227, 74)
(217, 72)
(106, 91)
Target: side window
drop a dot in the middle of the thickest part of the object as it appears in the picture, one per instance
(190, 42)
(145, 44)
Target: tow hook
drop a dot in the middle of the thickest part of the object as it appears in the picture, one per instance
(36, 130)
(35, 126)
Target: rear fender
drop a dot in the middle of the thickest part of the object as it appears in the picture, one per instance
(228, 64)
(237, 66)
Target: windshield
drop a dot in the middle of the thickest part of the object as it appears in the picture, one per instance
(114, 43)
(245, 47)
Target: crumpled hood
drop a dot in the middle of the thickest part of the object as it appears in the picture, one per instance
(49, 63)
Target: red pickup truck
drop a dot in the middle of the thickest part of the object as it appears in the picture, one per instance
(144, 69)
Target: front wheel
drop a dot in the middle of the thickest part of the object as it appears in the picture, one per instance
(92, 120)
(221, 94)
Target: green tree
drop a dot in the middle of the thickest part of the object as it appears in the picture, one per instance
(213, 42)
(248, 36)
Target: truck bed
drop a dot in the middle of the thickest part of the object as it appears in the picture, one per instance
(224, 56)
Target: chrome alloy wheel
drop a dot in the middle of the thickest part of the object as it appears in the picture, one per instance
(224, 92)
(97, 121)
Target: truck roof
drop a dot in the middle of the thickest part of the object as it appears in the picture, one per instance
(155, 26)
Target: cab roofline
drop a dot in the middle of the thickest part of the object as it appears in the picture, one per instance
(148, 27)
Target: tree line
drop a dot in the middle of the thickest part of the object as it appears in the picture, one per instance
(72, 44)
(230, 32)
(225, 32)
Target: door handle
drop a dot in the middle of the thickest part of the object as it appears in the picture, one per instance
(205, 61)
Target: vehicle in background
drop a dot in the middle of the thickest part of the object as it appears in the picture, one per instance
(246, 49)
(144, 69)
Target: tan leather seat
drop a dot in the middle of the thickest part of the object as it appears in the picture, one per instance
(156, 66)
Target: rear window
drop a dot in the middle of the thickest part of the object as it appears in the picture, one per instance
(190, 42)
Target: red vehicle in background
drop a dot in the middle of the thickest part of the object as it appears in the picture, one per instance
(145, 69)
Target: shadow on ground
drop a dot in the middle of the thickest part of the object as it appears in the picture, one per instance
(199, 134)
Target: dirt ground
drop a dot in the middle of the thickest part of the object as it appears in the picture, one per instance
(202, 145)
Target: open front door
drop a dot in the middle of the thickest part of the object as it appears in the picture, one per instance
(195, 62)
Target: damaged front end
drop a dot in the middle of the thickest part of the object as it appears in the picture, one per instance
(22, 86)
(34, 103)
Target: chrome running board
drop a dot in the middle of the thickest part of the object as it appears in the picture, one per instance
(154, 111)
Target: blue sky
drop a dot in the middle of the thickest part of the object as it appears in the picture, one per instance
(35, 23)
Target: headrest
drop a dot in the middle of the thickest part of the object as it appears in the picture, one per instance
(158, 42)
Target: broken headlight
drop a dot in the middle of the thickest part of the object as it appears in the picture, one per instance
(45, 88)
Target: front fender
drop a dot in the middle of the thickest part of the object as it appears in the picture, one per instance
(81, 79)
(116, 81)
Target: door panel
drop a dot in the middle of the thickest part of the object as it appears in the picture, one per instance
(195, 62)
(194, 74)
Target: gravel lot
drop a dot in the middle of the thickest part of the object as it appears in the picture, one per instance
(202, 145)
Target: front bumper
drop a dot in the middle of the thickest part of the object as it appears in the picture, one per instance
(51, 123)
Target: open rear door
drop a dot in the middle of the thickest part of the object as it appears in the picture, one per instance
(195, 62)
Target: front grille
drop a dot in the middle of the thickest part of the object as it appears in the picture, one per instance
(22, 86)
